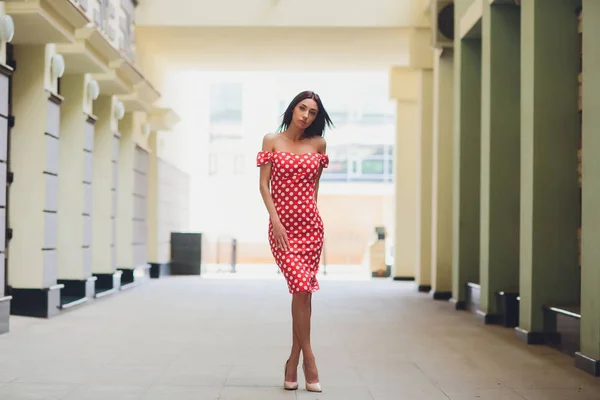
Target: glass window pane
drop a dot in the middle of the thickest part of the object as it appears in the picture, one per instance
(337, 167)
(226, 102)
(372, 167)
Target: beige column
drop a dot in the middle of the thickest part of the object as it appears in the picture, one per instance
(140, 206)
(131, 198)
(162, 187)
(441, 210)
(162, 216)
(106, 157)
(413, 90)
(405, 173)
(424, 179)
(74, 240)
(173, 208)
(125, 168)
(152, 202)
(33, 196)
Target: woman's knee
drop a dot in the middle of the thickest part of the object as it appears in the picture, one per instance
(302, 296)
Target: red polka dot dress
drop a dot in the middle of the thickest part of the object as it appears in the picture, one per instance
(293, 180)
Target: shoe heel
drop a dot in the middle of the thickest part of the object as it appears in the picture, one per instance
(287, 385)
(311, 387)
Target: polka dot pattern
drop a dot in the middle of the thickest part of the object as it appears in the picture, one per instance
(293, 179)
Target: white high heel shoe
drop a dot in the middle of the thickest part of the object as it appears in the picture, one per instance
(311, 387)
(287, 385)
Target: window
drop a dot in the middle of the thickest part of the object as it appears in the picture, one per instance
(126, 25)
(339, 118)
(226, 103)
(101, 15)
(360, 163)
(372, 167)
(376, 119)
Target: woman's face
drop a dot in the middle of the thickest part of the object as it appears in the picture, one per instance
(305, 113)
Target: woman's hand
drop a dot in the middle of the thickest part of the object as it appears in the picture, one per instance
(280, 236)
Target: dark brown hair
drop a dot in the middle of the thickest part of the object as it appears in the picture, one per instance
(317, 128)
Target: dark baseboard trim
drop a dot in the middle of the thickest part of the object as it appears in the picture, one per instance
(134, 276)
(424, 288)
(404, 278)
(107, 284)
(107, 292)
(458, 304)
(77, 291)
(587, 364)
(565, 324)
(5, 314)
(473, 296)
(507, 305)
(442, 296)
(529, 337)
(159, 270)
(38, 303)
(488, 318)
(6, 70)
(565, 311)
(70, 303)
(56, 98)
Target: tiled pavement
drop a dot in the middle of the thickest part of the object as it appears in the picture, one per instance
(192, 338)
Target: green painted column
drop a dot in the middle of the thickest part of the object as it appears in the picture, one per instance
(424, 180)
(500, 147)
(549, 142)
(467, 127)
(588, 358)
(441, 214)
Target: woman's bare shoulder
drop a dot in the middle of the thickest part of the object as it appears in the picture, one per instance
(268, 143)
(320, 144)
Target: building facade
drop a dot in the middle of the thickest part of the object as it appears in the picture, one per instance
(88, 200)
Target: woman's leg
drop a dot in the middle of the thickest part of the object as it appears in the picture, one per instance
(294, 359)
(310, 370)
(301, 311)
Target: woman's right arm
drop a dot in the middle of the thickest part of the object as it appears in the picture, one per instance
(265, 191)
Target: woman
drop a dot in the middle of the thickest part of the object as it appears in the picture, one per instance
(291, 163)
